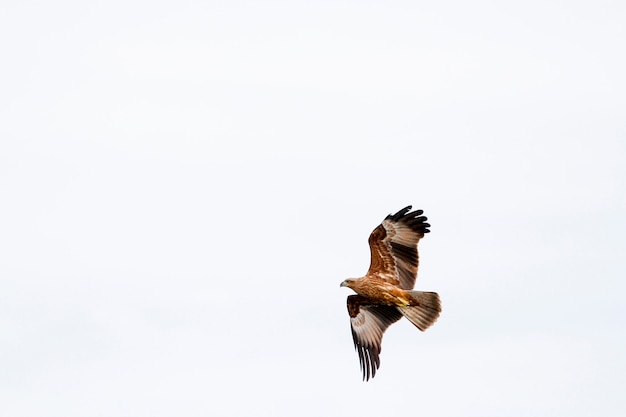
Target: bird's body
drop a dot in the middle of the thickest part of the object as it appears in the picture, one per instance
(380, 290)
(384, 294)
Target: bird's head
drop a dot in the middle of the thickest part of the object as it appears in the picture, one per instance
(347, 283)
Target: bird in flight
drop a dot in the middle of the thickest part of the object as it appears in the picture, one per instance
(384, 295)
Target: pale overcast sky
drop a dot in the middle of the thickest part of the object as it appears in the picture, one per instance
(185, 184)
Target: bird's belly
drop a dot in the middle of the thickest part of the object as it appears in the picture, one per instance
(389, 295)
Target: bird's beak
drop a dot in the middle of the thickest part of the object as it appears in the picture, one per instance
(343, 284)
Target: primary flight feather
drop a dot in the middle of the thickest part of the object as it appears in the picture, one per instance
(384, 294)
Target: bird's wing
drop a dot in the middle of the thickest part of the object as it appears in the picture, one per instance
(368, 322)
(393, 246)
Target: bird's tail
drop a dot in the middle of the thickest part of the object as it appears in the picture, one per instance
(424, 309)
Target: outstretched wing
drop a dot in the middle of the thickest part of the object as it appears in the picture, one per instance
(393, 246)
(368, 322)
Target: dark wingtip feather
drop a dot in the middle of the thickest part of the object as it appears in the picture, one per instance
(399, 214)
(413, 219)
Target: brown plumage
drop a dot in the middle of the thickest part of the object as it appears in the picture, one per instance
(385, 292)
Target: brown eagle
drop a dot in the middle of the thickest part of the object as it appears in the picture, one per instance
(384, 293)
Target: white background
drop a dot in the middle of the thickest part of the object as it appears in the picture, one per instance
(183, 186)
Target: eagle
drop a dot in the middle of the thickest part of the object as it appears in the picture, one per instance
(385, 294)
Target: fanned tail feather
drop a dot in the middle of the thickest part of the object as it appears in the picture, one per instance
(424, 309)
